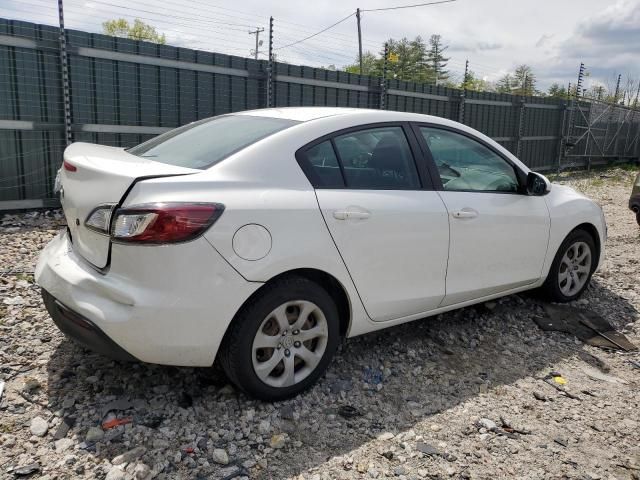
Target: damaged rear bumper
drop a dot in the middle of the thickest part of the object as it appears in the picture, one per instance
(83, 331)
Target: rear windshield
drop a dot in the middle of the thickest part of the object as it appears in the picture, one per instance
(206, 142)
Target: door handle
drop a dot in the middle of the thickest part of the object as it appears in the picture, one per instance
(349, 214)
(465, 213)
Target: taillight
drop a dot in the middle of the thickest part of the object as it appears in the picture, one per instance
(163, 222)
(100, 218)
(69, 167)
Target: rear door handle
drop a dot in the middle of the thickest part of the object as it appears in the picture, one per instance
(351, 214)
(465, 213)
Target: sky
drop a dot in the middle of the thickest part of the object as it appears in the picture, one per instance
(552, 36)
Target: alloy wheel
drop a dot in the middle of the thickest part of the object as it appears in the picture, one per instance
(289, 343)
(575, 268)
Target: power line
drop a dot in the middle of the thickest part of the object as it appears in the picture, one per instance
(318, 33)
(406, 6)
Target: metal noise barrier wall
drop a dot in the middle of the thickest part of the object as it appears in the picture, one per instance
(123, 92)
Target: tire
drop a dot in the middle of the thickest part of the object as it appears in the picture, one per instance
(564, 284)
(638, 217)
(288, 363)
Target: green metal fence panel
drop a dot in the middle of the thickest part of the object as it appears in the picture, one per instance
(124, 92)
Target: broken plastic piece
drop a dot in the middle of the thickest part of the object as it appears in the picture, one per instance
(116, 422)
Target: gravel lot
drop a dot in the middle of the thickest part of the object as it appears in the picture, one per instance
(416, 401)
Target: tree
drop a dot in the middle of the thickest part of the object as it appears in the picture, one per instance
(557, 91)
(471, 82)
(138, 31)
(506, 84)
(525, 81)
(371, 65)
(436, 60)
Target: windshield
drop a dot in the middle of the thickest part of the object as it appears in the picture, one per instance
(206, 142)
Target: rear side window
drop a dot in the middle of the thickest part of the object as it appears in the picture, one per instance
(324, 166)
(206, 142)
(374, 159)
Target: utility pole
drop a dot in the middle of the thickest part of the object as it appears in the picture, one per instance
(270, 66)
(257, 33)
(359, 40)
(65, 74)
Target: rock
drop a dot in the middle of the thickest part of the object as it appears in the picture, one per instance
(39, 427)
(220, 456)
(427, 449)
(116, 473)
(487, 424)
(287, 412)
(128, 457)
(94, 434)
(64, 427)
(18, 300)
(385, 436)
(63, 444)
(92, 379)
(277, 441)
(264, 427)
(27, 470)
(142, 471)
(31, 384)
(490, 305)
(399, 470)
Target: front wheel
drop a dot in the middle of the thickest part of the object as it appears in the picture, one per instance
(283, 340)
(572, 267)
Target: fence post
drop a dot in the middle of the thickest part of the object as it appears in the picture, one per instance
(587, 150)
(383, 81)
(562, 136)
(520, 128)
(461, 108)
(64, 69)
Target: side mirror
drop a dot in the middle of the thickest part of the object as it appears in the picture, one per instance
(537, 185)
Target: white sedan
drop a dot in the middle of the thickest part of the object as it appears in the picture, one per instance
(262, 238)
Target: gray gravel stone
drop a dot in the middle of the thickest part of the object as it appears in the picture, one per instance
(220, 456)
(39, 427)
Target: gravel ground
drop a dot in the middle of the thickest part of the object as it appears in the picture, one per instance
(423, 400)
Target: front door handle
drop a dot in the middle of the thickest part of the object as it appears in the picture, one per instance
(465, 213)
(351, 214)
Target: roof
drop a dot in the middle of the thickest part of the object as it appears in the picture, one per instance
(301, 114)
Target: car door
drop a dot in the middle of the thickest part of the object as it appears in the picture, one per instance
(498, 233)
(389, 225)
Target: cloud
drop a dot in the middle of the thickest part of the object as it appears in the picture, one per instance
(605, 42)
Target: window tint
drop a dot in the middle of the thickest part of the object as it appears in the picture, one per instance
(377, 158)
(465, 164)
(324, 167)
(206, 142)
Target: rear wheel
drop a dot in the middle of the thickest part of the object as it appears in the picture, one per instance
(283, 340)
(572, 268)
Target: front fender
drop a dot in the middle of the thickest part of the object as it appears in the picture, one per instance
(568, 210)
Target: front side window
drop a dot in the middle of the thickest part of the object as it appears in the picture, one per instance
(206, 142)
(377, 158)
(467, 165)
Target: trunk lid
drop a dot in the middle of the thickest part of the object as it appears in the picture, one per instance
(102, 176)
